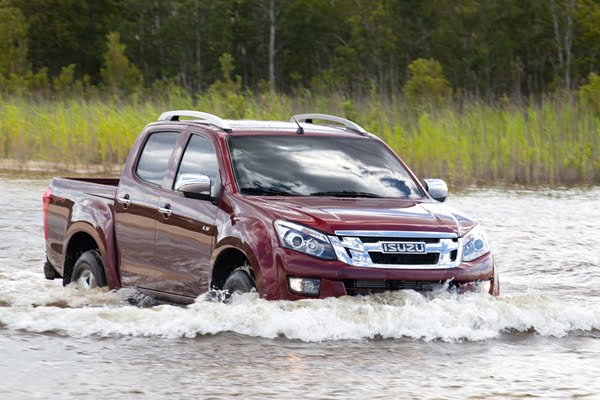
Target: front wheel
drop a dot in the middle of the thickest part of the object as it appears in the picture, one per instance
(239, 282)
(88, 272)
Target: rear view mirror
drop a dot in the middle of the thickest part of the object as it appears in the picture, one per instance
(437, 189)
(194, 185)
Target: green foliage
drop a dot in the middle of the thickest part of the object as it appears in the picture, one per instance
(28, 84)
(349, 109)
(488, 48)
(64, 32)
(63, 83)
(230, 88)
(13, 40)
(589, 94)
(427, 84)
(39, 83)
(227, 84)
(119, 75)
(167, 88)
(344, 71)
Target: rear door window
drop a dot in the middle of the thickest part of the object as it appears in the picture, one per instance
(155, 156)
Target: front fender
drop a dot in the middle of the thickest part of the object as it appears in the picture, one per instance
(256, 241)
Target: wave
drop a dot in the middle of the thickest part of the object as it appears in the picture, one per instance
(443, 316)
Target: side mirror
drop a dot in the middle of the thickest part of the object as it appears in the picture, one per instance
(437, 189)
(194, 185)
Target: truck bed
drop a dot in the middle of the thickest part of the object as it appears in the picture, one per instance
(87, 204)
(103, 188)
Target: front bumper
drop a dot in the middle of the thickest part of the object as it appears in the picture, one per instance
(337, 277)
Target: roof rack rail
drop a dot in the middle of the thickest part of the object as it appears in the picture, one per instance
(210, 118)
(326, 117)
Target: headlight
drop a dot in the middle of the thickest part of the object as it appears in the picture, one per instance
(304, 240)
(474, 244)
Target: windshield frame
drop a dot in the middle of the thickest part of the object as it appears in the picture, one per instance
(385, 147)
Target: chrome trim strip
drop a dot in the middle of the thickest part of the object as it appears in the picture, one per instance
(400, 234)
(397, 266)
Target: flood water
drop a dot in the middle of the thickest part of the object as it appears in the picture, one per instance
(540, 338)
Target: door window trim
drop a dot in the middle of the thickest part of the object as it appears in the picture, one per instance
(185, 146)
(143, 181)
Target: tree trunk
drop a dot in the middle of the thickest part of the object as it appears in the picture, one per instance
(568, 43)
(564, 44)
(557, 32)
(157, 25)
(272, 33)
(198, 74)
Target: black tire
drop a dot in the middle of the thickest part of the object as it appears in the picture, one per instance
(88, 272)
(239, 282)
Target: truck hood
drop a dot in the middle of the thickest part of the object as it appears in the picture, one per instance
(332, 214)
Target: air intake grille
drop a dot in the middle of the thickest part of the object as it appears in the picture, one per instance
(405, 259)
(364, 287)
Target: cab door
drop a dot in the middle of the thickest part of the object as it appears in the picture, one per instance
(185, 227)
(136, 209)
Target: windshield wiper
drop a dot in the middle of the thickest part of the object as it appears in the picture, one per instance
(345, 193)
(270, 191)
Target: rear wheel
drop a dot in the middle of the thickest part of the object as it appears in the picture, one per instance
(88, 272)
(239, 282)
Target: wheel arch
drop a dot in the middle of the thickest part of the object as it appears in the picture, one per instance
(83, 236)
(78, 243)
(228, 260)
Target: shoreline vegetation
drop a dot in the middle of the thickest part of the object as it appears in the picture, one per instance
(552, 142)
(484, 93)
(12, 167)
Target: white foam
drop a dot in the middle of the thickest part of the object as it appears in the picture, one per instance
(445, 316)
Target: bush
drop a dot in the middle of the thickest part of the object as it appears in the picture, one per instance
(230, 89)
(118, 74)
(63, 83)
(427, 84)
(590, 94)
(227, 85)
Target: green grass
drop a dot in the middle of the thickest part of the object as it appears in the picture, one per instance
(550, 143)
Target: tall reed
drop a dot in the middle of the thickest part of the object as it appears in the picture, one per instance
(554, 141)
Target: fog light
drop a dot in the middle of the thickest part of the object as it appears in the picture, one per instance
(307, 286)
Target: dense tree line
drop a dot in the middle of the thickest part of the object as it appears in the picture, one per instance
(488, 48)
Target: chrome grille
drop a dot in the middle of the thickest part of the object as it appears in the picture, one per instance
(365, 249)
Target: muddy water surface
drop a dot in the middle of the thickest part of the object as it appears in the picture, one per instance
(540, 338)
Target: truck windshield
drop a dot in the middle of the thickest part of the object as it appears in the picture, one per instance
(318, 166)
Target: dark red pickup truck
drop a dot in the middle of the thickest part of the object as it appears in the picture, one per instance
(293, 210)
